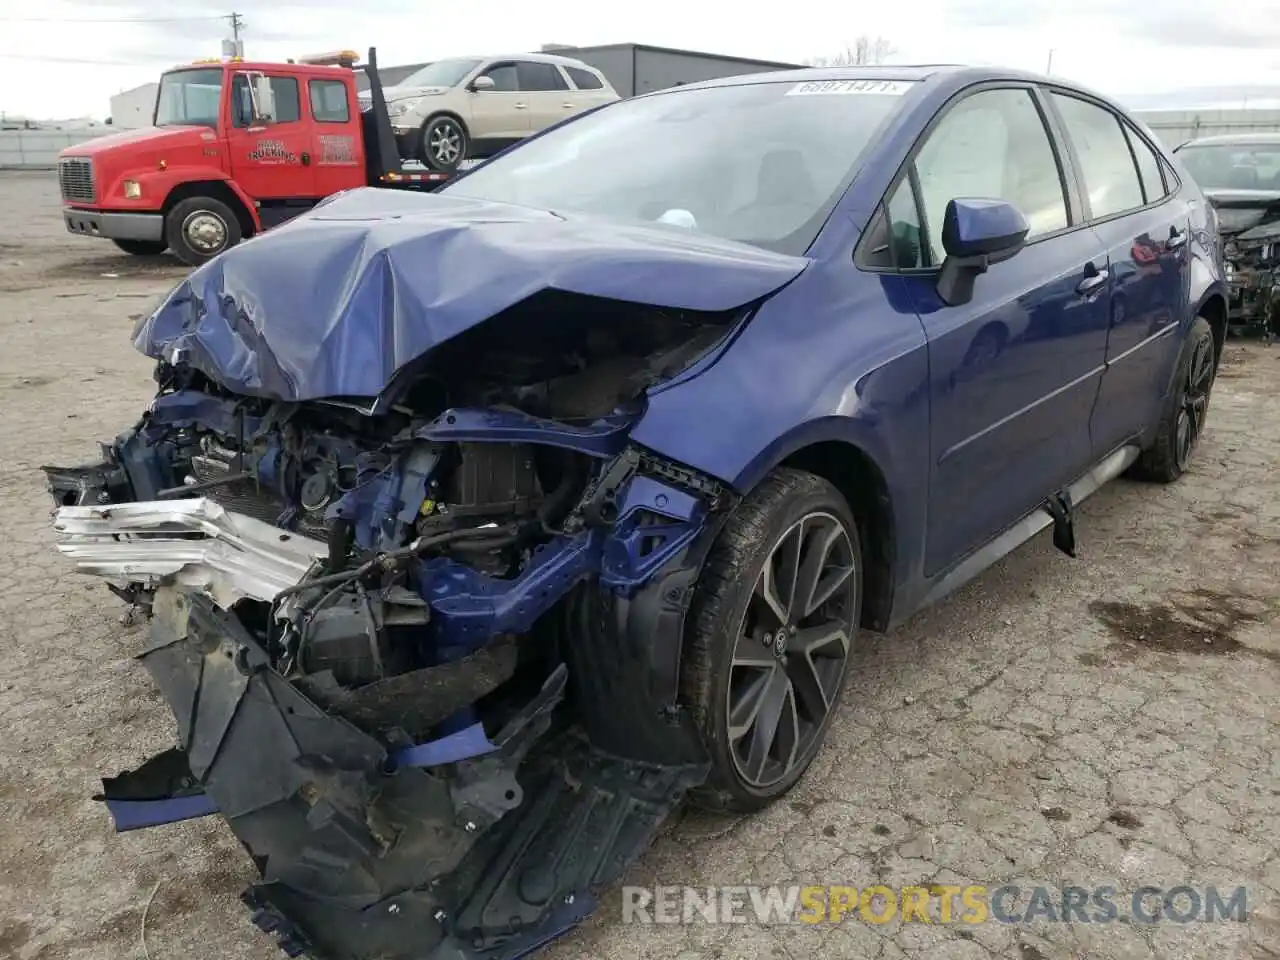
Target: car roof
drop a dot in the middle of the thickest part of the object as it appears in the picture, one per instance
(533, 57)
(952, 75)
(1234, 139)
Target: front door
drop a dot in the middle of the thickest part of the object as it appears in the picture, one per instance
(1014, 372)
(1146, 230)
(499, 116)
(270, 155)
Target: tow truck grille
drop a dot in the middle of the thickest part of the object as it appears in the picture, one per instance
(75, 177)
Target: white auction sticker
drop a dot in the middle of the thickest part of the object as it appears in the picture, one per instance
(888, 88)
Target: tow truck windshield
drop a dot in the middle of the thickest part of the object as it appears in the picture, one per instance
(762, 163)
(189, 98)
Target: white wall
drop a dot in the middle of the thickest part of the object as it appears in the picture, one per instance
(39, 149)
(133, 108)
(1175, 127)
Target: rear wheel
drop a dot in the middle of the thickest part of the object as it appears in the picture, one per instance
(142, 248)
(772, 628)
(1183, 420)
(200, 228)
(444, 144)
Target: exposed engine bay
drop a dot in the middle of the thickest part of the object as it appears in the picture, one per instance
(421, 652)
(1250, 232)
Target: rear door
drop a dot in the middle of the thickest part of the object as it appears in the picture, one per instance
(590, 88)
(337, 154)
(267, 155)
(1014, 372)
(1145, 227)
(547, 93)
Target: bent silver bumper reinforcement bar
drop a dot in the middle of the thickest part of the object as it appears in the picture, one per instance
(196, 542)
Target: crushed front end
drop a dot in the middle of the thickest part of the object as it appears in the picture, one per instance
(422, 653)
(1249, 226)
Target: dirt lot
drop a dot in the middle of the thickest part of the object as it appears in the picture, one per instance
(1111, 719)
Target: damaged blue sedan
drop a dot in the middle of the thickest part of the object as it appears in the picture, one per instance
(477, 530)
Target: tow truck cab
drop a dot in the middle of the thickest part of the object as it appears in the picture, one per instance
(235, 148)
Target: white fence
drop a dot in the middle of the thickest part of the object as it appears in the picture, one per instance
(39, 149)
(1175, 127)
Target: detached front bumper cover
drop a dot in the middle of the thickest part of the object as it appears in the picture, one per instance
(432, 851)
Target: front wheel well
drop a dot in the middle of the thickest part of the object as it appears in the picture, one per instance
(860, 482)
(218, 190)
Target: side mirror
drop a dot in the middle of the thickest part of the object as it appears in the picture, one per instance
(976, 233)
(482, 83)
(264, 100)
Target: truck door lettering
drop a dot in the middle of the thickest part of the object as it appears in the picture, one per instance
(271, 151)
(338, 151)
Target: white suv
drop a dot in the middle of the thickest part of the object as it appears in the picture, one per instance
(465, 107)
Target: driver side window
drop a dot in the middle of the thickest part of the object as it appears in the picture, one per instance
(993, 145)
(504, 77)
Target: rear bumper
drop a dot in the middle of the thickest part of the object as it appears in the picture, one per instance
(114, 226)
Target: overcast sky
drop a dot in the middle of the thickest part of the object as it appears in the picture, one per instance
(64, 58)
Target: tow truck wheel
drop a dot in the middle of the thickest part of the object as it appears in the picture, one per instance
(142, 248)
(774, 618)
(444, 144)
(200, 228)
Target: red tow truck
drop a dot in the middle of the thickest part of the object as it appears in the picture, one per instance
(234, 148)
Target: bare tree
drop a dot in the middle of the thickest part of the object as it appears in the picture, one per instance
(865, 50)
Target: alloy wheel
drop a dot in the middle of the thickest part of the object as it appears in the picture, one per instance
(1195, 401)
(445, 142)
(791, 650)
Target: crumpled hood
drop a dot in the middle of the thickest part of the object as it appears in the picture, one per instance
(1239, 210)
(335, 302)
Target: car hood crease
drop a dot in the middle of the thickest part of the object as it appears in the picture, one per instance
(335, 302)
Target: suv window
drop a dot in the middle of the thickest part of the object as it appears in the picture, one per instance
(1153, 184)
(584, 79)
(329, 101)
(992, 144)
(503, 76)
(1110, 175)
(540, 76)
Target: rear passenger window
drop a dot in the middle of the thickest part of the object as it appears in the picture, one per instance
(584, 79)
(993, 145)
(329, 101)
(1110, 176)
(539, 76)
(1153, 184)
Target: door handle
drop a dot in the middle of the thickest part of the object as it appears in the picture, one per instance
(567, 106)
(520, 106)
(1176, 239)
(1092, 283)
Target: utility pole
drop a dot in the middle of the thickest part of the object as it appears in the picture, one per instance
(236, 22)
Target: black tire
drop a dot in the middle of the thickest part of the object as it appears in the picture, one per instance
(444, 143)
(727, 605)
(142, 248)
(200, 228)
(1186, 409)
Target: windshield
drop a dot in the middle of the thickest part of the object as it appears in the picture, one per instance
(189, 97)
(1234, 166)
(762, 163)
(442, 73)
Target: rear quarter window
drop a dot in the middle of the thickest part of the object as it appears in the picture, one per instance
(584, 79)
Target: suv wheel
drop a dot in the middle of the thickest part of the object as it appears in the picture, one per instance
(772, 629)
(200, 228)
(444, 144)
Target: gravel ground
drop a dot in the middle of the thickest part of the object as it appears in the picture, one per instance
(1109, 719)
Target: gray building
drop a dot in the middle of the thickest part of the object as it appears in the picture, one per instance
(633, 68)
